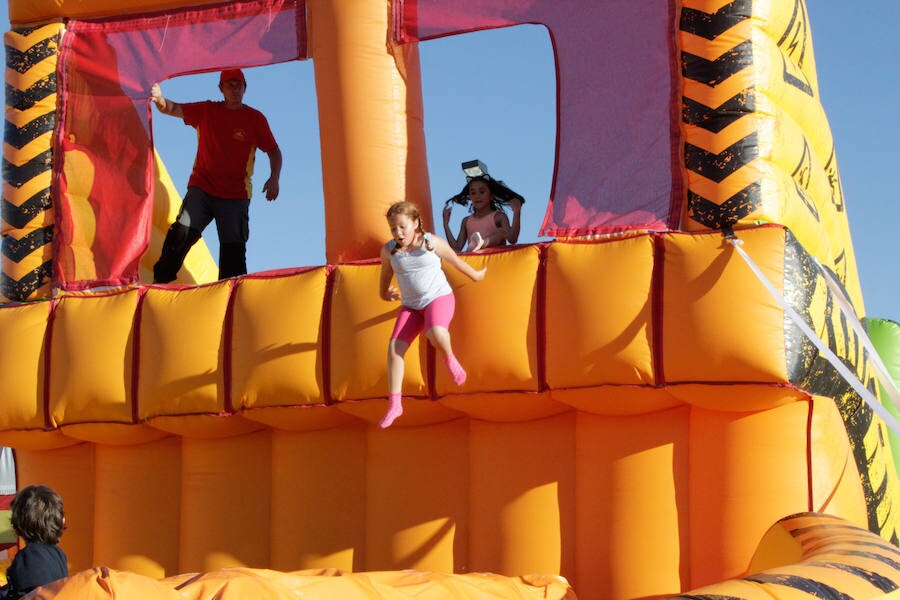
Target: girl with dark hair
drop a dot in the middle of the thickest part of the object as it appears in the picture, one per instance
(488, 224)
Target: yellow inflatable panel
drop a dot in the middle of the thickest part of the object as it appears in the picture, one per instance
(496, 343)
(719, 323)
(180, 337)
(360, 326)
(276, 340)
(22, 354)
(90, 381)
(589, 313)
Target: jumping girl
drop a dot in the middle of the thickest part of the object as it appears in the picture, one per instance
(414, 257)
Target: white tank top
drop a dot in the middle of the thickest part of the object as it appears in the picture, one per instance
(419, 276)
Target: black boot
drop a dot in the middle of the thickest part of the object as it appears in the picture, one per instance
(232, 259)
(179, 240)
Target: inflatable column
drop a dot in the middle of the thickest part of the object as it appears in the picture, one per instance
(370, 118)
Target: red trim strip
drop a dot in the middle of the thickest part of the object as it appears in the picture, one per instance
(325, 333)
(227, 349)
(676, 142)
(657, 297)
(541, 316)
(809, 450)
(136, 354)
(48, 347)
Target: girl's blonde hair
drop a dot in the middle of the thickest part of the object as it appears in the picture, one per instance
(411, 212)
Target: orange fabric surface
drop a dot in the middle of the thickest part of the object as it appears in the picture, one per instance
(719, 322)
(590, 313)
(22, 366)
(181, 351)
(234, 584)
(386, 159)
(92, 357)
(277, 340)
(360, 327)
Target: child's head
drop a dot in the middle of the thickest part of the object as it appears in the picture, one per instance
(482, 193)
(37, 515)
(405, 221)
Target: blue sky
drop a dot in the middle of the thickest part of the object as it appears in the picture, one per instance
(491, 95)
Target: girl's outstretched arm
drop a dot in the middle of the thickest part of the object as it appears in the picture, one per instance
(385, 290)
(443, 249)
(456, 242)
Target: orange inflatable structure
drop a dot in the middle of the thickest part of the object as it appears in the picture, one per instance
(649, 422)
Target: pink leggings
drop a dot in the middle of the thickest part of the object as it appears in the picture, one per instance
(411, 322)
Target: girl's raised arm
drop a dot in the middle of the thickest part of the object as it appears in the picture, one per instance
(443, 249)
(455, 242)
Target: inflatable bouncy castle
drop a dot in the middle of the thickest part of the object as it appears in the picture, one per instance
(682, 400)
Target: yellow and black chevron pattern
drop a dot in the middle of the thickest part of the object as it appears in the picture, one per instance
(808, 294)
(718, 96)
(757, 144)
(27, 216)
(835, 559)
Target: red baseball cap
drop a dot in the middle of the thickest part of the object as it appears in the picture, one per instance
(232, 74)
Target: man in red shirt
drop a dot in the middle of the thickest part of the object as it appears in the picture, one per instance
(229, 132)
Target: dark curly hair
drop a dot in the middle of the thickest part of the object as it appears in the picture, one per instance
(38, 515)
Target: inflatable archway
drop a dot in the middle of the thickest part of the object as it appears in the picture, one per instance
(651, 419)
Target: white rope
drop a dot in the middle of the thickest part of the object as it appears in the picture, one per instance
(830, 356)
(881, 371)
(165, 32)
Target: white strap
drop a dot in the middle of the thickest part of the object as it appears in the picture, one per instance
(826, 352)
(881, 371)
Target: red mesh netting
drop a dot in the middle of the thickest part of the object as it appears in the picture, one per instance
(617, 132)
(103, 165)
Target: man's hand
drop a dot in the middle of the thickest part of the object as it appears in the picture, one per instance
(157, 97)
(271, 189)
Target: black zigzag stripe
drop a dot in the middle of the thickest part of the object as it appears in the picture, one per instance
(18, 291)
(717, 119)
(26, 31)
(25, 99)
(874, 579)
(719, 166)
(17, 176)
(17, 137)
(812, 587)
(19, 216)
(21, 62)
(714, 72)
(711, 25)
(868, 556)
(17, 249)
(716, 216)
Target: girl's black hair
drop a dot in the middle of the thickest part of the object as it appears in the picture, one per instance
(500, 193)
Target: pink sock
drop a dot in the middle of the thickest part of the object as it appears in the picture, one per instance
(459, 374)
(395, 409)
